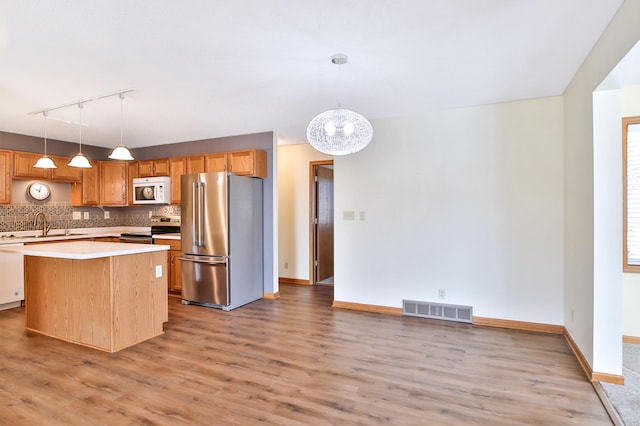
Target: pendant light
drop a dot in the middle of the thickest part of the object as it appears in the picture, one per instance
(45, 162)
(121, 152)
(339, 131)
(80, 160)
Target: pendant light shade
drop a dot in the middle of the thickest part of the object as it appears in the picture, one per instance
(339, 131)
(45, 162)
(80, 160)
(121, 152)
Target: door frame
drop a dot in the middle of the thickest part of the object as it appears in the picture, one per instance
(312, 209)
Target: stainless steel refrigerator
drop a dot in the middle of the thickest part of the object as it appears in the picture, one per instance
(221, 239)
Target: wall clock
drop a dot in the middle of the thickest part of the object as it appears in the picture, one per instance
(39, 191)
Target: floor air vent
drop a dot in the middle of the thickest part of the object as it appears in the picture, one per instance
(441, 311)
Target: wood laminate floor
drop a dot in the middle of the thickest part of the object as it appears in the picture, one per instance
(296, 361)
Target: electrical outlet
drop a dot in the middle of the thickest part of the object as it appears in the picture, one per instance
(86, 215)
(106, 215)
(158, 271)
(441, 293)
(77, 215)
(286, 265)
(362, 215)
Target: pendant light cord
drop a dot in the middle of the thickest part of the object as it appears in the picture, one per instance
(45, 114)
(80, 107)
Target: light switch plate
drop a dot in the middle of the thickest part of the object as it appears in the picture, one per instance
(77, 215)
(158, 271)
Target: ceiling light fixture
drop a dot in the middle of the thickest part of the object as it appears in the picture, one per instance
(121, 152)
(45, 162)
(339, 131)
(80, 160)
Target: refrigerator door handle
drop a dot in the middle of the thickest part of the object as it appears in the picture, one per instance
(194, 211)
(200, 206)
(208, 262)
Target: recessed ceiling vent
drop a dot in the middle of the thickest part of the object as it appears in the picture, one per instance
(442, 311)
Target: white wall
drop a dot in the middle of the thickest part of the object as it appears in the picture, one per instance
(467, 200)
(583, 312)
(293, 208)
(631, 282)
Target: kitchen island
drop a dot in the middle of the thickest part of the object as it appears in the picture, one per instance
(107, 296)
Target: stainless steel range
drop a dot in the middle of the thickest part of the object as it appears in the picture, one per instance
(159, 225)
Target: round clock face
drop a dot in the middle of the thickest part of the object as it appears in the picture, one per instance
(147, 193)
(39, 191)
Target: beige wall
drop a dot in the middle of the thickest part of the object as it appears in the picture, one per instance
(293, 209)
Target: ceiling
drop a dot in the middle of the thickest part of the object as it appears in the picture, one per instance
(212, 68)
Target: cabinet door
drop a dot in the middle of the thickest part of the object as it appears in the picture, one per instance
(177, 167)
(113, 183)
(23, 166)
(161, 167)
(216, 162)
(87, 192)
(248, 163)
(6, 163)
(64, 172)
(195, 164)
(176, 271)
(132, 172)
(145, 168)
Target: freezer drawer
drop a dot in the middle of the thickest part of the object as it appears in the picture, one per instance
(205, 279)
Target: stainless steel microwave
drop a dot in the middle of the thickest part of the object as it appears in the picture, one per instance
(152, 190)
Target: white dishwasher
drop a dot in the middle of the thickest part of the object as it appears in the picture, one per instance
(11, 278)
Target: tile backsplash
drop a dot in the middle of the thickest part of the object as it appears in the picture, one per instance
(20, 217)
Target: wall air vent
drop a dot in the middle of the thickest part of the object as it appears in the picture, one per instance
(459, 313)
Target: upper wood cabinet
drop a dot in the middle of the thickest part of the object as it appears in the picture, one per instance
(23, 166)
(149, 168)
(248, 163)
(6, 166)
(251, 162)
(177, 167)
(64, 172)
(215, 162)
(87, 191)
(113, 183)
(132, 171)
(196, 164)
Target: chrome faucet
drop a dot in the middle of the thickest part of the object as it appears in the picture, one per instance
(45, 223)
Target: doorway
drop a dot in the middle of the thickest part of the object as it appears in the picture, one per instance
(321, 222)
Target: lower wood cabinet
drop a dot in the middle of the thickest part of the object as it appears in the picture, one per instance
(174, 263)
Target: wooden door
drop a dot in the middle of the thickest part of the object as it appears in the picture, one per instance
(324, 228)
(195, 164)
(216, 162)
(177, 167)
(6, 158)
(64, 172)
(145, 168)
(132, 172)
(87, 192)
(113, 183)
(23, 166)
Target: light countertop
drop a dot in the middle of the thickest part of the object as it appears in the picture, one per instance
(174, 236)
(83, 249)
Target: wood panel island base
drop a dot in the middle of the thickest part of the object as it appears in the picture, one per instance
(106, 296)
